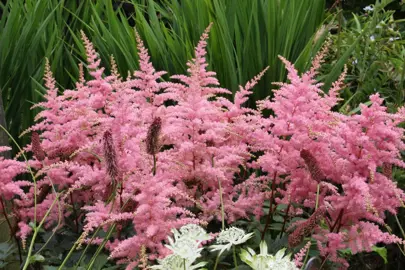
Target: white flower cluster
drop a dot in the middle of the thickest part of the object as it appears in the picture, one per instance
(265, 261)
(368, 8)
(230, 237)
(186, 249)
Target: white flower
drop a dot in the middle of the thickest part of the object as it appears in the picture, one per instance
(392, 39)
(186, 248)
(354, 62)
(230, 237)
(368, 8)
(265, 261)
(281, 262)
(192, 231)
(256, 261)
(372, 38)
(175, 262)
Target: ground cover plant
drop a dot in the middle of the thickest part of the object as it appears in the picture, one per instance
(124, 161)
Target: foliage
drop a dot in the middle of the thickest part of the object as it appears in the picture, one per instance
(29, 32)
(7, 254)
(377, 56)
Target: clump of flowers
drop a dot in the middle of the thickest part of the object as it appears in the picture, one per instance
(230, 237)
(186, 248)
(265, 261)
(144, 156)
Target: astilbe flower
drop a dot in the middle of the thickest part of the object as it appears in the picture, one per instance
(305, 228)
(104, 125)
(170, 161)
(36, 147)
(346, 150)
(152, 139)
(300, 256)
(312, 165)
(206, 150)
(10, 169)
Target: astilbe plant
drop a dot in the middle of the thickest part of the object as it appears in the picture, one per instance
(149, 156)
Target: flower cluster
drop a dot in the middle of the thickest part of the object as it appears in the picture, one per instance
(265, 261)
(186, 249)
(149, 156)
(230, 237)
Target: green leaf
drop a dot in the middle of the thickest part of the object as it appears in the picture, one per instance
(100, 262)
(382, 251)
(37, 258)
(48, 267)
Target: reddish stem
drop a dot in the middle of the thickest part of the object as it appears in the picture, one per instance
(74, 213)
(339, 218)
(270, 214)
(12, 232)
(285, 219)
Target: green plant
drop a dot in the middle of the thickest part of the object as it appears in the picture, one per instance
(375, 59)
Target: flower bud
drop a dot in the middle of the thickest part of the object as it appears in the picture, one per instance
(312, 165)
(152, 139)
(36, 146)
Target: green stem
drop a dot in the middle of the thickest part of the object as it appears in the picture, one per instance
(93, 259)
(400, 227)
(317, 196)
(57, 226)
(68, 255)
(306, 258)
(235, 261)
(36, 230)
(285, 219)
(85, 249)
(216, 261)
(340, 22)
(184, 263)
(270, 213)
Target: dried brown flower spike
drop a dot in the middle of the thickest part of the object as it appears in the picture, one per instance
(312, 165)
(36, 147)
(152, 139)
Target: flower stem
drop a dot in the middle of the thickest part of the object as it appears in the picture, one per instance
(12, 233)
(36, 230)
(234, 257)
(184, 263)
(154, 165)
(306, 258)
(317, 196)
(74, 212)
(216, 261)
(285, 219)
(270, 214)
(222, 205)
